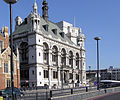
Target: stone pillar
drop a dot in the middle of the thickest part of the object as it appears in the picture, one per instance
(74, 75)
(62, 78)
(49, 67)
(74, 62)
(59, 75)
(79, 70)
(67, 59)
(67, 76)
(59, 59)
(50, 57)
(49, 78)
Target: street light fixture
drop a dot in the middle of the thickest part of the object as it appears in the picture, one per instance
(98, 79)
(10, 2)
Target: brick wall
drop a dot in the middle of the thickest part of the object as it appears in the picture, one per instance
(4, 54)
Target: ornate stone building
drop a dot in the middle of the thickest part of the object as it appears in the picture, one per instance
(51, 54)
(5, 51)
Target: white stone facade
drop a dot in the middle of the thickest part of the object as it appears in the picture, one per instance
(49, 54)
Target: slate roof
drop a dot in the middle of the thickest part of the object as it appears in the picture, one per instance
(26, 27)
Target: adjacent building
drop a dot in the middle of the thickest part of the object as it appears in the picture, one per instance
(111, 74)
(51, 54)
(5, 72)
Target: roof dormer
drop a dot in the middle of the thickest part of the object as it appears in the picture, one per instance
(62, 34)
(54, 31)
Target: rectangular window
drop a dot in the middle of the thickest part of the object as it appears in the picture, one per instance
(70, 61)
(70, 76)
(55, 74)
(45, 73)
(33, 72)
(45, 56)
(77, 76)
(39, 73)
(6, 67)
(77, 63)
(8, 83)
(53, 58)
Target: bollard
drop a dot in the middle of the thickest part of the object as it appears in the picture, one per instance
(46, 94)
(86, 89)
(105, 91)
(50, 93)
(15, 96)
(71, 91)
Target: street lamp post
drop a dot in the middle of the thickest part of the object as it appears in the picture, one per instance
(89, 74)
(10, 2)
(98, 80)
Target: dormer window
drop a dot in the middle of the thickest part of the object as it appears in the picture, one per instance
(54, 31)
(45, 27)
(62, 34)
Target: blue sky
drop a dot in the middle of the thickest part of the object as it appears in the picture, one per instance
(95, 17)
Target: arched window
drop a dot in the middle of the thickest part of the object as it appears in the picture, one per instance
(77, 60)
(71, 59)
(55, 55)
(24, 52)
(45, 53)
(63, 57)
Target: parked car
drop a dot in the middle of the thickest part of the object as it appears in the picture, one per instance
(0, 92)
(8, 92)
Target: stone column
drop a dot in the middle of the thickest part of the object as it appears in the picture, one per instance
(62, 78)
(79, 71)
(59, 65)
(74, 62)
(67, 76)
(50, 57)
(49, 77)
(59, 59)
(49, 67)
(73, 80)
(59, 75)
(67, 59)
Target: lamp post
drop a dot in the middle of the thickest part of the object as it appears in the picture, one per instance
(98, 80)
(10, 2)
(89, 74)
(89, 69)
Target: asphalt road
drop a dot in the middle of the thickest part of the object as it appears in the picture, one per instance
(113, 96)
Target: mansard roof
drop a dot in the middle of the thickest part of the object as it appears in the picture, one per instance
(52, 26)
(25, 27)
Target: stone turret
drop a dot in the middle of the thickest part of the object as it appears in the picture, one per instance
(18, 21)
(4, 31)
(35, 7)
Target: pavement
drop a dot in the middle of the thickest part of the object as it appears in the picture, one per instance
(112, 96)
